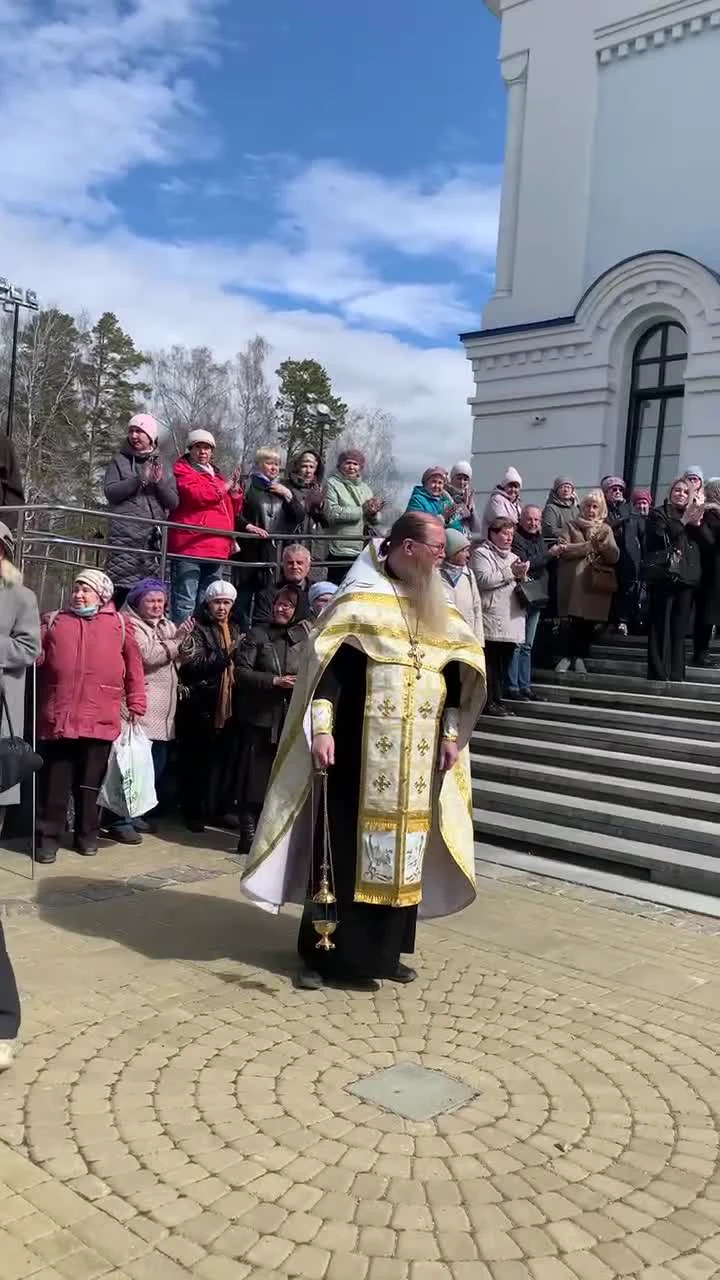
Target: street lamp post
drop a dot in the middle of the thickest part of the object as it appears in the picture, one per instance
(13, 298)
(324, 419)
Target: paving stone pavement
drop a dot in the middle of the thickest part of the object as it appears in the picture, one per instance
(178, 1108)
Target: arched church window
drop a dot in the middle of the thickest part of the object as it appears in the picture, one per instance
(652, 449)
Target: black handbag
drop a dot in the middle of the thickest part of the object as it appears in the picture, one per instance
(662, 567)
(18, 761)
(532, 593)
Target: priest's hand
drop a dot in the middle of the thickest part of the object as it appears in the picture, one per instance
(323, 750)
(449, 752)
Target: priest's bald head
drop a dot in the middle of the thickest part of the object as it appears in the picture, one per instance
(415, 548)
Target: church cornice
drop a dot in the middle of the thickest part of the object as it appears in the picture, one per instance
(674, 21)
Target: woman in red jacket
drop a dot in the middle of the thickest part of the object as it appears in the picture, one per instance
(208, 499)
(89, 663)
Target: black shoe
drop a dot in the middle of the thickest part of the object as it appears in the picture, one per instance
(196, 825)
(308, 980)
(86, 848)
(46, 855)
(125, 834)
(704, 660)
(494, 709)
(144, 827)
(514, 695)
(403, 973)
(527, 695)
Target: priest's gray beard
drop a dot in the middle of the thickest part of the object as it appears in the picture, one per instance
(428, 596)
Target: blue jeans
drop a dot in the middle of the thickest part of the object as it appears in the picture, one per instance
(520, 672)
(189, 580)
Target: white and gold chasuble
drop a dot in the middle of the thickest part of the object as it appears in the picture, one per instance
(415, 831)
(400, 746)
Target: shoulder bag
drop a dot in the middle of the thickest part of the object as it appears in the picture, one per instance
(532, 593)
(18, 761)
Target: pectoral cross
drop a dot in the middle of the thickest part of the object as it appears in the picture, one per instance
(417, 656)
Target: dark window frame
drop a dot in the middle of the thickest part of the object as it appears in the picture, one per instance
(665, 390)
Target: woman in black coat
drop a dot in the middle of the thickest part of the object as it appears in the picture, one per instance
(707, 597)
(268, 664)
(672, 570)
(205, 731)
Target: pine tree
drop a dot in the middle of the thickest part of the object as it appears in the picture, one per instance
(110, 393)
(304, 384)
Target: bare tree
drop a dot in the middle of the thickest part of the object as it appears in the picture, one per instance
(47, 406)
(373, 431)
(252, 409)
(190, 389)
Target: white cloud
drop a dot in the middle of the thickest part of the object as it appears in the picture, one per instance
(97, 89)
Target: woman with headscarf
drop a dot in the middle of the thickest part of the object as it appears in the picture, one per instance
(504, 501)
(634, 546)
(461, 491)
(137, 483)
(672, 569)
(497, 571)
(305, 473)
(560, 508)
(320, 595)
(696, 480)
(158, 640)
(208, 662)
(586, 579)
(432, 498)
(89, 667)
(268, 664)
(350, 507)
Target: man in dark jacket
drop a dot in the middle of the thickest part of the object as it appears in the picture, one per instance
(295, 572)
(529, 545)
(137, 483)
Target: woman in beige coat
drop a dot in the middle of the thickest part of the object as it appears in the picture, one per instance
(586, 579)
(497, 570)
(459, 582)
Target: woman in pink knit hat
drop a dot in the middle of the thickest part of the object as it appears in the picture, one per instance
(139, 484)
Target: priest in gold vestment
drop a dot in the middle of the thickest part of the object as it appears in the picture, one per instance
(384, 706)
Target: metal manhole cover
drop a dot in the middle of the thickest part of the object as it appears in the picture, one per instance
(416, 1093)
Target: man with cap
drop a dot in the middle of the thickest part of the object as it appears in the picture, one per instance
(432, 498)
(504, 501)
(461, 588)
(137, 483)
(206, 499)
(461, 491)
(90, 675)
(320, 595)
(351, 508)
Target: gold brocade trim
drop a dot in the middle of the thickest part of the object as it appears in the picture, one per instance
(387, 822)
(390, 897)
(321, 715)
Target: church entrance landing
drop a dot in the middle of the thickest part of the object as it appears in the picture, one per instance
(414, 1092)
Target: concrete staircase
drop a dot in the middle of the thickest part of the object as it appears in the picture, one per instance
(610, 775)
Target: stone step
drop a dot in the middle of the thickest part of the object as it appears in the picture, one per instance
(606, 763)
(637, 684)
(558, 689)
(611, 881)
(678, 868)
(663, 747)
(621, 717)
(640, 794)
(633, 666)
(608, 819)
(640, 642)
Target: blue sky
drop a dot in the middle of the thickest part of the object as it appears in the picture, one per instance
(322, 173)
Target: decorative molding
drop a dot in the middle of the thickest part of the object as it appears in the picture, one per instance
(514, 68)
(675, 21)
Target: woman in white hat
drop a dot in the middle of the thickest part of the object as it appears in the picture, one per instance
(204, 727)
(206, 499)
(89, 667)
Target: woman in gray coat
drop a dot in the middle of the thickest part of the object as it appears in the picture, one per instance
(137, 484)
(19, 647)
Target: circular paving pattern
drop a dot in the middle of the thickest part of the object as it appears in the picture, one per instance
(225, 1131)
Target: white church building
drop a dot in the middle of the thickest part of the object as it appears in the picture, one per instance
(599, 352)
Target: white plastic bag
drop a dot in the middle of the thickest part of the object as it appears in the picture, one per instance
(129, 785)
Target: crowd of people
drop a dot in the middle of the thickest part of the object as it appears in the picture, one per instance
(205, 662)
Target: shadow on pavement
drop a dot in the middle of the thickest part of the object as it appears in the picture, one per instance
(171, 924)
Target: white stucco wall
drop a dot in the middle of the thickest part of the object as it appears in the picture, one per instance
(656, 180)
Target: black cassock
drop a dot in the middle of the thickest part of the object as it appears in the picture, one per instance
(369, 939)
